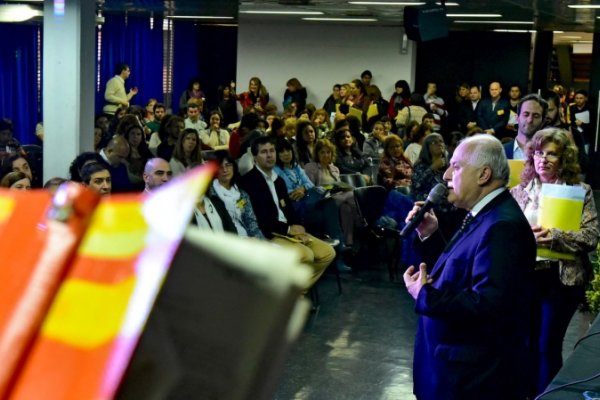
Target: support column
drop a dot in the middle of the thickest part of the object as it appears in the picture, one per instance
(68, 84)
(542, 56)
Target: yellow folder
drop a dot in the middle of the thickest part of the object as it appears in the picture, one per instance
(561, 207)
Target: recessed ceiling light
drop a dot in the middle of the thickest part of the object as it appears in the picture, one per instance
(569, 37)
(474, 15)
(496, 22)
(271, 12)
(197, 17)
(341, 19)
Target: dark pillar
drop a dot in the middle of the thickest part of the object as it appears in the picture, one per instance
(542, 56)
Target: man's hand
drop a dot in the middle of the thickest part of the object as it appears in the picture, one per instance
(414, 281)
(429, 224)
(134, 91)
(297, 230)
(298, 194)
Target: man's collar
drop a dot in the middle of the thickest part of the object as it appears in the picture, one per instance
(271, 175)
(485, 200)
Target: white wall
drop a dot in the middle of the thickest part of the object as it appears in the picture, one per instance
(319, 56)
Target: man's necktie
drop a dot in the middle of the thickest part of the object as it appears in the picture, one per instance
(466, 221)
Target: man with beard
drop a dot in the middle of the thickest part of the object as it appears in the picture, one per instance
(531, 115)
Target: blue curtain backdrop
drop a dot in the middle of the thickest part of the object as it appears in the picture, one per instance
(18, 86)
(186, 59)
(130, 40)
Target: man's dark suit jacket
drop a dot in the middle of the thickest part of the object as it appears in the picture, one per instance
(466, 114)
(473, 335)
(495, 119)
(256, 186)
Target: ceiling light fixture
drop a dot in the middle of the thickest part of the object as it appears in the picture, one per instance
(18, 12)
(474, 15)
(341, 19)
(397, 3)
(589, 6)
(197, 17)
(495, 22)
(266, 12)
(513, 30)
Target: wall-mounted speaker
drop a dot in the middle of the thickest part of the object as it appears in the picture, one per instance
(423, 23)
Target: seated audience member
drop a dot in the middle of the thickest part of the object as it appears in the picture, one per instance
(395, 170)
(52, 184)
(97, 139)
(115, 155)
(187, 152)
(323, 173)
(377, 108)
(305, 142)
(8, 144)
(334, 100)
(170, 129)
(157, 172)
(194, 118)
(227, 103)
(321, 122)
(256, 97)
(158, 111)
(318, 214)
(16, 181)
(87, 157)
(248, 124)
(295, 94)
(428, 171)
(349, 159)
(400, 98)
(290, 128)
(453, 141)
(193, 92)
(373, 146)
(355, 126)
(215, 138)
(276, 216)
(97, 177)
(233, 208)
(414, 112)
(17, 163)
(552, 159)
(138, 155)
(276, 130)
(416, 142)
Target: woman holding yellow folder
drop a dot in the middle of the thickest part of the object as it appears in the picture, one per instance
(552, 159)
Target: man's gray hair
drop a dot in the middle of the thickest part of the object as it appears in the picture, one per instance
(486, 150)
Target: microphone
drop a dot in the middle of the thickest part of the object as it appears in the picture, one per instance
(435, 196)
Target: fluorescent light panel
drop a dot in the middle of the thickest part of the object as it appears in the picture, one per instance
(267, 12)
(513, 30)
(496, 22)
(341, 19)
(197, 17)
(588, 6)
(474, 15)
(397, 3)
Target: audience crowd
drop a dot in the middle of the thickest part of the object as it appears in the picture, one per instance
(285, 172)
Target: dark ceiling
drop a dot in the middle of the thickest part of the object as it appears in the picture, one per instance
(545, 15)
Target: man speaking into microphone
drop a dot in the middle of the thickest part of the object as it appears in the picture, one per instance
(475, 303)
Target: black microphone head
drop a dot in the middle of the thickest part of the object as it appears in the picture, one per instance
(438, 193)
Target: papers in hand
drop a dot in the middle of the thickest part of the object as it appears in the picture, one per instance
(561, 207)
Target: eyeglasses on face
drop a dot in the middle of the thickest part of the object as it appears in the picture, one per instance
(549, 156)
